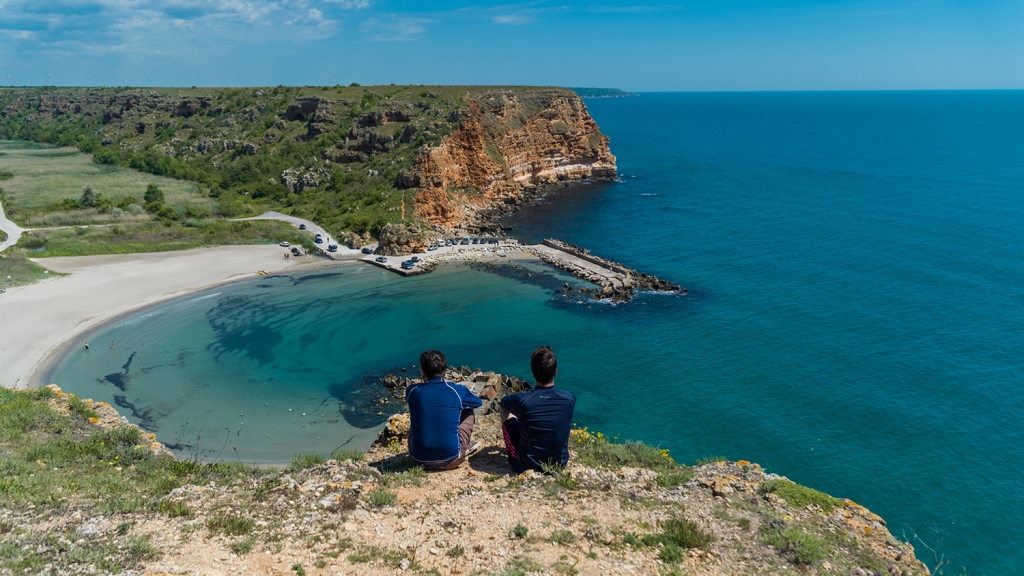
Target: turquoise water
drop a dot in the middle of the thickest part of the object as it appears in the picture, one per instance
(855, 270)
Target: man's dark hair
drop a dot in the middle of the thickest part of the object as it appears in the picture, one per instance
(544, 365)
(433, 363)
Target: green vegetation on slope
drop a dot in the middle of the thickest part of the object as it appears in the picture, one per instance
(18, 271)
(331, 154)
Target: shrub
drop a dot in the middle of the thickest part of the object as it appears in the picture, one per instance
(90, 197)
(140, 548)
(153, 194)
(78, 406)
(175, 509)
(563, 537)
(381, 498)
(229, 525)
(456, 551)
(802, 547)
(519, 531)
(243, 546)
(710, 460)
(799, 496)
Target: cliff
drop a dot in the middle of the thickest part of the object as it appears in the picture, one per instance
(506, 145)
(77, 498)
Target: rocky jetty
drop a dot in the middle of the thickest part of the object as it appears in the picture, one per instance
(617, 282)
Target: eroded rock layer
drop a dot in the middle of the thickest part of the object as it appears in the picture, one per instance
(506, 146)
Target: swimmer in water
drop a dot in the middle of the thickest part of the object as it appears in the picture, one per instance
(111, 344)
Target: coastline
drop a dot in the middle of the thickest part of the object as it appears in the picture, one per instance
(44, 320)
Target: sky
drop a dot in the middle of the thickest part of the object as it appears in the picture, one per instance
(637, 46)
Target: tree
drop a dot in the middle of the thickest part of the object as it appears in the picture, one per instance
(90, 197)
(153, 194)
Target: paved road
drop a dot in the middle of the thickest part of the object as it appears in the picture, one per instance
(311, 227)
(10, 229)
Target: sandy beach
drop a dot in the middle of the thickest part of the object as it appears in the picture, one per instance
(39, 320)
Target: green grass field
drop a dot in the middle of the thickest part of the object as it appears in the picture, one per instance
(156, 237)
(18, 271)
(44, 175)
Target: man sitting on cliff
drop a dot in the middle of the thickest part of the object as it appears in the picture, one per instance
(441, 416)
(536, 423)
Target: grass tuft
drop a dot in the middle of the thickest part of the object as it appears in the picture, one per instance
(229, 525)
(799, 496)
(381, 498)
(306, 459)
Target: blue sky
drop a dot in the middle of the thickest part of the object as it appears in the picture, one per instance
(640, 46)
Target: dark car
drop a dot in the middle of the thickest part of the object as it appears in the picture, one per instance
(408, 265)
(367, 251)
(296, 251)
(476, 240)
(332, 248)
(414, 259)
(302, 226)
(381, 259)
(318, 239)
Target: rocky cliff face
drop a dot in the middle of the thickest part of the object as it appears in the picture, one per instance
(506, 146)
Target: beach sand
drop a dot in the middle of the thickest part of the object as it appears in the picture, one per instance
(39, 320)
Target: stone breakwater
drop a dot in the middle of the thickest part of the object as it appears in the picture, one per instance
(617, 282)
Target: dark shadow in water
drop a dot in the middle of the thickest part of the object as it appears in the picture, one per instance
(366, 403)
(144, 417)
(242, 324)
(312, 277)
(120, 379)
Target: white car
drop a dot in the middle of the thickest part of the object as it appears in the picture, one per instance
(285, 244)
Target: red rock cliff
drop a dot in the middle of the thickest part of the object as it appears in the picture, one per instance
(507, 143)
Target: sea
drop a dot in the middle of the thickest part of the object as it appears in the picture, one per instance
(854, 319)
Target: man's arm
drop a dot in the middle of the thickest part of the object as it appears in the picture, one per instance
(508, 405)
(469, 400)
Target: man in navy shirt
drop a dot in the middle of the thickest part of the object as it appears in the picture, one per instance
(536, 423)
(441, 416)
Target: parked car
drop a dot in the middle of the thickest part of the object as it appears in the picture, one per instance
(367, 251)
(432, 247)
(332, 248)
(302, 226)
(408, 265)
(381, 259)
(476, 240)
(447, 242)
(465, 241)
(318, 239)
(414, 259)
(296, 251)
(285, 244)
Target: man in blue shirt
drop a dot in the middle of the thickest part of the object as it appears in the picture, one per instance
(441, 416)
(536, 423)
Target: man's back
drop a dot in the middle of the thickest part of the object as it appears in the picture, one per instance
(435, 408)
(545, 419)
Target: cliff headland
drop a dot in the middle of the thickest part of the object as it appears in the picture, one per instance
(420, 161)
(85, 493)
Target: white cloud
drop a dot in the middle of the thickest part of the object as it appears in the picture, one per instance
(392, 27)
(351, 4)
(513, 19)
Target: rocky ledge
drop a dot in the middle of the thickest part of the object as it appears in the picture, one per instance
(615, 509)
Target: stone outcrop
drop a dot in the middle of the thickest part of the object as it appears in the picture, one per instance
(506, 144)
(106, 417)
(400, 239)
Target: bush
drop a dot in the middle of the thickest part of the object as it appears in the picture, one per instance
(243, 546)
(802, 547)
(799, 496)
(153, 194)
(519, 531)
(563, 537)
(90, 197)
(229, 525)
(175, 509)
